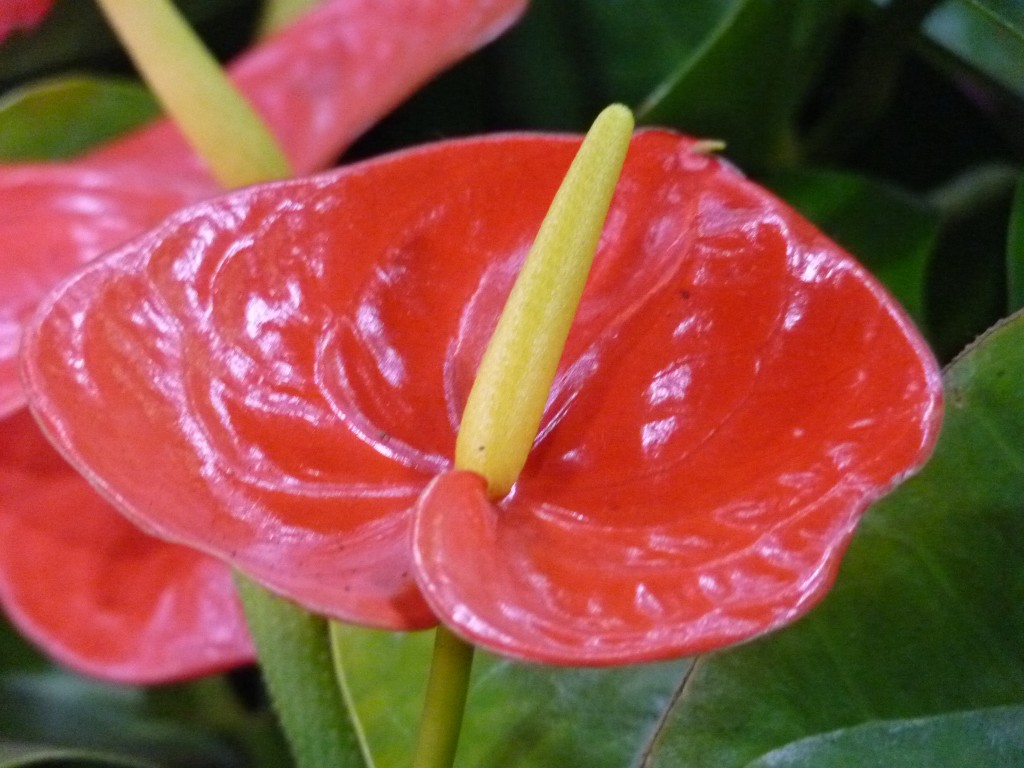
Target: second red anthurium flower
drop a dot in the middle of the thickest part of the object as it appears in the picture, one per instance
(276, 377)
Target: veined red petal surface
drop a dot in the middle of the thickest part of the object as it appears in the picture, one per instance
(54, 219)
(21, 14)
(319, 84)
(274, 377)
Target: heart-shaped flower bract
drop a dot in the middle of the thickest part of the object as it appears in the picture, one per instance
(64, 561)
(276, 377)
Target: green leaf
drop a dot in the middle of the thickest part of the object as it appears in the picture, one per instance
(562, 63)
(16, 756)
(58, 709)
(750, 79)
(967, 281)
(927, 614)
(518, 714)
(985, 737)
(16, 654)
(988, 34)
(1015, 251)
(64, 117)
(298, 665)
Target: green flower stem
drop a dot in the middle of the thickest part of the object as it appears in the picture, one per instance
(296, 656)
(445, 701)
(190, 84)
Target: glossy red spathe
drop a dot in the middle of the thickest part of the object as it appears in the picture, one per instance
(318, 84)
(276, 378)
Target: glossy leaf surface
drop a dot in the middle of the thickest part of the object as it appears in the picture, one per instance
(162, 624)
(986, 737)
(925, 617)
(519, 715)
(988, 34)
(274, 377)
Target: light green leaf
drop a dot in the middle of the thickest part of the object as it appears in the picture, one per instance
(927, 614)
(64, 117)
(985, 737)
(518, 715)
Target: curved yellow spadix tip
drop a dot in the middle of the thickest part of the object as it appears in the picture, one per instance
(507, 400)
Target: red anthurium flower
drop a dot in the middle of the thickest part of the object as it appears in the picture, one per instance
(21, 14)
(318, 83)
(276, 378)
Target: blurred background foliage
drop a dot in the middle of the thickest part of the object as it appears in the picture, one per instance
(898, 127)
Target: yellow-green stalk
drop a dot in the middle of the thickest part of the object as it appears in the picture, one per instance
(512, 385)
(190, 84)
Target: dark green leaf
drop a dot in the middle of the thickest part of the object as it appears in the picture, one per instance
(592, 52)
(1015, 251)
(967, 282)
(62, 118)
(988, 34)
(56, 708)
(16, 654)
(16, 756)
(928, 611)
(986, 737)
(892, 232)
(554, 70)
(750, 79)
(518, 715)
